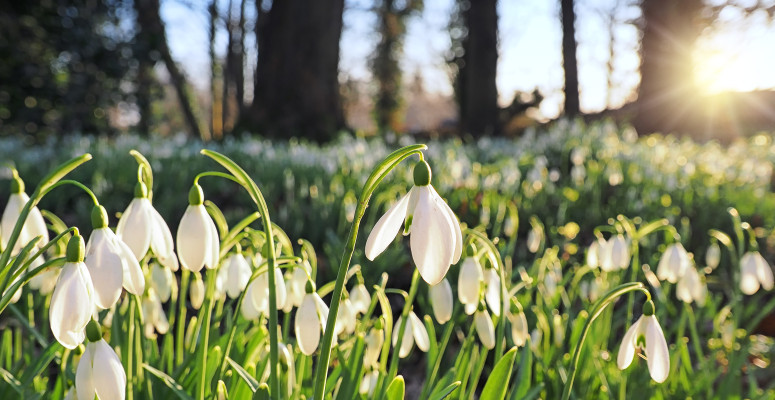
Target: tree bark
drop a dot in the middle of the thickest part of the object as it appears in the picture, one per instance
(670, 29)
(476, 89)
(216, 117)
(152, 30)
(297, 88)
(569, 58)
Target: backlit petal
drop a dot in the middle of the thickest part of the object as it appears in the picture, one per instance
(656, 350)
(84, 380)
(307, 325)
(193, 249)
(108, 373)
(441, 300)
(432, 238)
(419, 332)
(134, 226)
(485, 329)
(627, 349)
(386, 228)
(455, 227)
(105, 269)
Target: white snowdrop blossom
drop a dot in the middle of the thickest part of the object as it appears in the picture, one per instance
(374, 341)
(369, 382)
(196, 292)
(346, 318)
(691, 287)
(297, 282)
(469, 281)
(100, 373)
(519, 330)
(484, 327)
(533, 240)
(33, 226)
(154, 316)
(236, 274)
(673, 264)
(310, 322)
(493, 290)
(414, 332)
(111, 263)
(162, 281)
(646, 335)
(72, 303)
(615, 254)
(258, 293)
(197, 239)
(713, 255)
(755, 271)
(141, 227)
(594, 253)
(360, 298)
(436, 240)
(441, 301)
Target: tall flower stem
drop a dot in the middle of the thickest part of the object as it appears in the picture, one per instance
(206, 338)
(598, 309)
(377, 175)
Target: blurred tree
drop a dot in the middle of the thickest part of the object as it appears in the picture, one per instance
(391, 17)
(216, 117)
(569, 58)
(62, 66)
(296, 87)
(474, 61)
(234, 69)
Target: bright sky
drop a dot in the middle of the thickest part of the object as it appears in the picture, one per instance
(738, 56)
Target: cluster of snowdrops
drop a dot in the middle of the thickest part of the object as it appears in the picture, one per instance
(106, 297)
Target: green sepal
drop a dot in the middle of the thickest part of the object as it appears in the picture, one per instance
(141, 191)
(195, 195)
(75, 248)
(422, 173)
(648, 308)
(93, 331)
(99, 217)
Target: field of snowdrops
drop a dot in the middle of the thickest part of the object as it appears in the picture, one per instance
(575, 262)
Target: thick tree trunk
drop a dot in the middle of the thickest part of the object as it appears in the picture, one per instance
(666, 87)
(216, 117)
(476, 90)
(152, 30)
(297, 88)
(569, 58)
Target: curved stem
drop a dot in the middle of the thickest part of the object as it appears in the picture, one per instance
(214, 173)
(597, 309)
(377, 175)
(74, 183)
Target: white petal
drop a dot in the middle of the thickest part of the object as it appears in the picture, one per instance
(519, 331)
(84, 380)
(105, 268)
(193, 247)
(407, 341)
(627, 349)
(133, 277)
(386, 228)
(492, 294)
(322, 310)
(764, 273)
(307, 325)
(108, 373)
(11, 214)
(71, 305)
(419, 332)
(249, 309)
(213, 252)
(238, 275)
(36, 226)
(749, 281)
(160, 321)
(432, 238)
(656, 350)
(455, 225)
(161, 281)
(469, 281)
(441, 300)
(360, 298)
(470, 308)
(134, 227)
(161, 239)
(485, 329)
(197, 292)
(279, 288)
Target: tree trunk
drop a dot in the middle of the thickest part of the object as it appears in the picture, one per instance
(216, 126)
(297, 88)
(666, 86)
(152, 30)
(569, 58)
(476, 90)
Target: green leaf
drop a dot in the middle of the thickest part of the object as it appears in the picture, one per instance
(443, 393)
(262, 393)
(42, 363)
(525, 372)
(396, 389)
(167, 380)
(498, 382)
(249, 379)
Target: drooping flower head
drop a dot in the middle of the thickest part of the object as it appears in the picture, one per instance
(414, 332)
(141, 227)
(33, 226)
(519, 331)
(198, 243)
(436, 240)
(470, 278)
(691, 287)
(310, 320)
(755, 271)
(646, 335)
(441, 301)
(615, 254)
(72, 302)
(484, 327)
(100, 373)
(674, 263)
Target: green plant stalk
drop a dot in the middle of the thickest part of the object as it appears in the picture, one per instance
(130, 383)
(634, 266)
(598, 309)
(206, 326)
(258, 198)
(181, 319)
(377, 175)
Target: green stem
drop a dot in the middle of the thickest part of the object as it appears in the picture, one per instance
(74, 183)
(130, 351)
(598, 309)
(377, 175)
(206, 326)
(181, 319)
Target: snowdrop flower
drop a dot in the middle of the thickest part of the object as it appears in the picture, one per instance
(469, 281)
(755, 271)
(236, 274)
(691, 287)
(493, 290)
(310, 321)
(646, 335)
(141, 227)
(196, 292)
(413, 333)
(72, 303)
(298, 282)
(33, 226)
(533, 240)
(162, 281)
(100, 372)
(673, 263)
(436, 239)
(615, 254)
(46, 280)
(374, 341)
(441, 301)
(484, 327)
(198, 243)
(154, 316)
(111, 263)
(519, 331)
(360, 298)
(258, 292)
(369, 383)
(594, 254)
(713, 255)
(345, 317)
